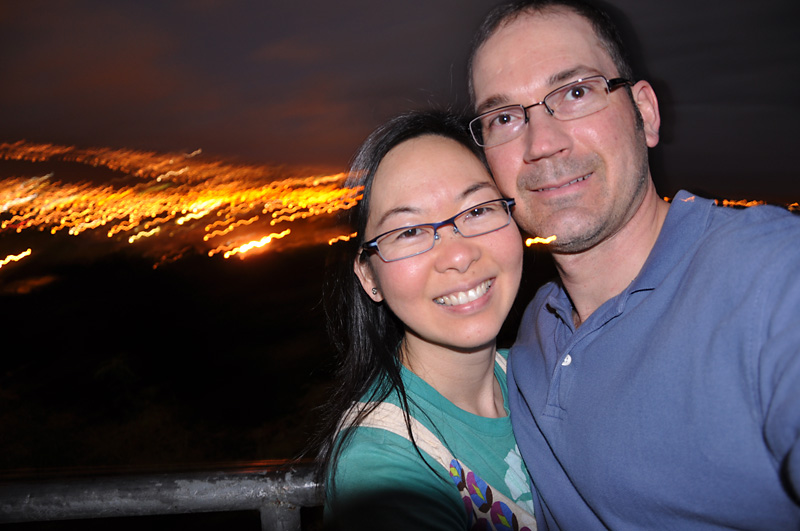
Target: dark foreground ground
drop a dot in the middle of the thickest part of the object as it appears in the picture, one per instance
(113, 363)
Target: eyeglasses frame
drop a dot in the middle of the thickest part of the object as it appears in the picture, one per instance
(371, 246)
(611, 85)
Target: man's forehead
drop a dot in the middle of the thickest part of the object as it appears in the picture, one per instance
(534, 52)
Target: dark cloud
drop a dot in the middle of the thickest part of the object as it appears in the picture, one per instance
(304, 82)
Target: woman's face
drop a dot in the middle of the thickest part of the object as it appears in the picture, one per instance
(458, 294)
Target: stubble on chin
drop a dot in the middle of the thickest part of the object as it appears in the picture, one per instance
(568, 217)
(575, 227)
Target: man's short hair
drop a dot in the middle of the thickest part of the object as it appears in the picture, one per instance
(604, 27)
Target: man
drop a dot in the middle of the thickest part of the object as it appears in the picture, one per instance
(657, 383)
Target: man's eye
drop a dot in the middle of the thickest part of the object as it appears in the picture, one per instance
(577, 92)
(503, 119)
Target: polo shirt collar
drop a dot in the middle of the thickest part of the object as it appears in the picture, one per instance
(686, 221)
(684, 225)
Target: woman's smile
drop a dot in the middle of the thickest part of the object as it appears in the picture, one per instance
(465, 297)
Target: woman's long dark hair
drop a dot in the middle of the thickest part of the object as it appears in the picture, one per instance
(366, 334)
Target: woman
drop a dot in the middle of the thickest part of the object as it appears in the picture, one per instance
(418, 431)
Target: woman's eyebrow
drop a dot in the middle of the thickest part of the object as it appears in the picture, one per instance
(406, 209)
(395, 212)
(476, 188)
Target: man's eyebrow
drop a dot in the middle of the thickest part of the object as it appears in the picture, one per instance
(570, 75)
(554, 81)
(491, 103)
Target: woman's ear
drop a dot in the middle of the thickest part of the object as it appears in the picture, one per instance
(365, 274)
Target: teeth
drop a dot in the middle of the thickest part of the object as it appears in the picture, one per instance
(579, 179)
(463, 297)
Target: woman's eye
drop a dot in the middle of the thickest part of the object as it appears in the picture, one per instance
(408, 234)
(479, 211)
(493, 207)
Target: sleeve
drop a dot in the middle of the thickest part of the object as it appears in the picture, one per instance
(780, 363)
(381, 483)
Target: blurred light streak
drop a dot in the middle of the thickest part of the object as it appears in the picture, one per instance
(343, 238)
(538, 240)
(14, 257)
(162, 197)
(740, 203)
(249, 246)
(144, 234)
(229, 228)
(171, 257)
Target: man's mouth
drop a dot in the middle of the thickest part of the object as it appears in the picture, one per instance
(464, 297)
(579, 179)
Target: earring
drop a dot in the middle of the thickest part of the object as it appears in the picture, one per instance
(374, 291)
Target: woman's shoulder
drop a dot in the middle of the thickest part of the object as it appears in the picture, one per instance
(381, 473)
(381, 440)
(370, 447)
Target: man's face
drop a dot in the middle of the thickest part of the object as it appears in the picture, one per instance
(582, 179)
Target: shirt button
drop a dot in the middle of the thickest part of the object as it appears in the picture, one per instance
(566, 361)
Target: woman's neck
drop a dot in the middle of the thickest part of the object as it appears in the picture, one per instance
(465, 378)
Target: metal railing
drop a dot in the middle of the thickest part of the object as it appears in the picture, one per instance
(277, 489)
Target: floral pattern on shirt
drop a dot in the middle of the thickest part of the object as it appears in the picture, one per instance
(483, 512)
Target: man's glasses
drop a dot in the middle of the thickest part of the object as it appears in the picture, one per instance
(410, 241)
(575, 100)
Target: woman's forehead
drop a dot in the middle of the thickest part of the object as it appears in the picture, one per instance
(428, 159)
(427, 175)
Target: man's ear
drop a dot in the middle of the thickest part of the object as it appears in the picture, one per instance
(646, 101)
(365, 274)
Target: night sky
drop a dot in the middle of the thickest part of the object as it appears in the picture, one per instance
(302, 83)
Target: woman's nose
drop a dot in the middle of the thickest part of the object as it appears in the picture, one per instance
(454, 251)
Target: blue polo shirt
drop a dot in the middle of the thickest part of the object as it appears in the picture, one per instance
(675, 405)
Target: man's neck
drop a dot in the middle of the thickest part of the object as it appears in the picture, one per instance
(596, 275)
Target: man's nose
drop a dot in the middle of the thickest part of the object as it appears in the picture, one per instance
(544, 136)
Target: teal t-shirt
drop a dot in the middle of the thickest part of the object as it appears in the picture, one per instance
(381, 475)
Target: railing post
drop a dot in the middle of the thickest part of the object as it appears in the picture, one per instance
(280, 517)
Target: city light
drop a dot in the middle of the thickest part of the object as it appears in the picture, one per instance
(168, 203)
